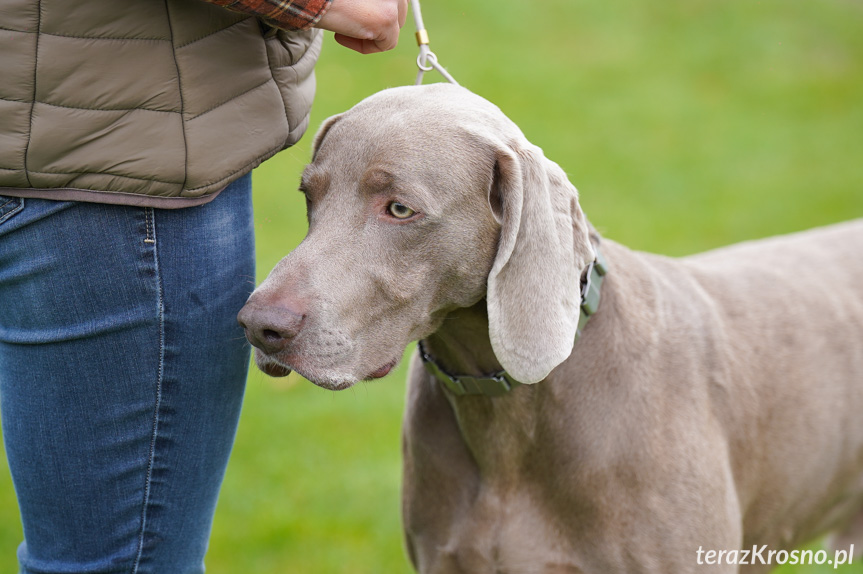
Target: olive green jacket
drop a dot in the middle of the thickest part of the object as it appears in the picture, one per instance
(144, 102)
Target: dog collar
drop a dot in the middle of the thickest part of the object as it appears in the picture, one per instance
(501, 383)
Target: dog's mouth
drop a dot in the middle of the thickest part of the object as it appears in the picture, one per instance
(382, 371)
(270, 366)
(275, 368)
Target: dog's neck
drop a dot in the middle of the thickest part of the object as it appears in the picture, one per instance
(495, 429)
(462, 344)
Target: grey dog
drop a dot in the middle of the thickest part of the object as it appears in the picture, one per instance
(709, 402)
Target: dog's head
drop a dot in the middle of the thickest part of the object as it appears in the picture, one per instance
(422, 200)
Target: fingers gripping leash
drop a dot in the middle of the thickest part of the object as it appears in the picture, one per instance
(426, 60)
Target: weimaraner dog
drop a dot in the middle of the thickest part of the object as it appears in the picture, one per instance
(574, 406)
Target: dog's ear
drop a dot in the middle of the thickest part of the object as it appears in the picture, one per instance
(322, 133)
(533, 288)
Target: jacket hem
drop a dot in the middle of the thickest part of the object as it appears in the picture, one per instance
(109, 197)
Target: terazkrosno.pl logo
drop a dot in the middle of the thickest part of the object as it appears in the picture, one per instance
(763, 555)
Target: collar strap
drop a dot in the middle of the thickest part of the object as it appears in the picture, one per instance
(501, 383)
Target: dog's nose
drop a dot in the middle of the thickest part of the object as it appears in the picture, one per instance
(270, 328)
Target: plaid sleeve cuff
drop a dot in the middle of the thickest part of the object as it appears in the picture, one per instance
(286, 14)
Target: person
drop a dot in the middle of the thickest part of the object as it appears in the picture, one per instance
(128, 131)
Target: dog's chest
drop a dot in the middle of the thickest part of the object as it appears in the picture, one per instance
(505, 532)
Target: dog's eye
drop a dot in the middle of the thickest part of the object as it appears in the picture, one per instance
(399, 211)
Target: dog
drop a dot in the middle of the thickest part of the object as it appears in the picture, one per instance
(703, 406)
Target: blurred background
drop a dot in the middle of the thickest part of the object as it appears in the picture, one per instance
(685, 125)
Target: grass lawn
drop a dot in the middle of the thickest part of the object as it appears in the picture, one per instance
(685, 124)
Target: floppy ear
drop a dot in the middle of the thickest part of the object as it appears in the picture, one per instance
(534, 284)
(322, 132)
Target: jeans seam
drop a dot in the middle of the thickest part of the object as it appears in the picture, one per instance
(150, 240)
(148, 216)
(12, 211)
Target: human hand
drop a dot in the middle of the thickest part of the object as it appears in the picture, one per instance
(366, 26)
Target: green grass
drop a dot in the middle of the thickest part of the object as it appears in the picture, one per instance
(685, 124)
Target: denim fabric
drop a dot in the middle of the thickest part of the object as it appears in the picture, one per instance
(122, 370)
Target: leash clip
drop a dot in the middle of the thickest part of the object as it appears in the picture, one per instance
(426, 60)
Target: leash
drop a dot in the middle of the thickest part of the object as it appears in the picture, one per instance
(427, 60)
(501, 383)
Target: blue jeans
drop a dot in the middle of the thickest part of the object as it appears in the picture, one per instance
(122, 370)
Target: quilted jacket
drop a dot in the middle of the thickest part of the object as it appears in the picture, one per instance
(144, 102)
